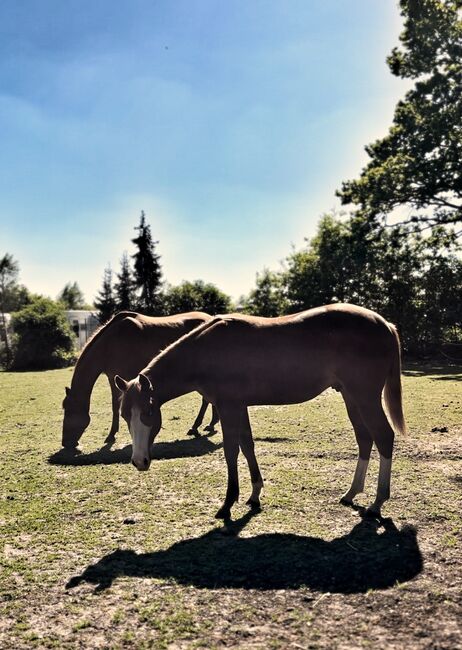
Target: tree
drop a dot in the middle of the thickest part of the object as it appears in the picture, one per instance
(418, 164)
(43, 336)
(196, 296)
(72, 297)
(125, 295)
(268, 298)
(148, 272)
(9, 270)
(334, 266)
(414, 281)
(105, 302)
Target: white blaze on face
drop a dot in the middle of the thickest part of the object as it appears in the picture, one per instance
(140, 438)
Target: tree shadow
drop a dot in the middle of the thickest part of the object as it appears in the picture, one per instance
(272, 439)
(448, 378)
(439, 371)
(190, 447)
(373, 555)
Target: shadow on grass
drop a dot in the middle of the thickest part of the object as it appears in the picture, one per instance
(272, 439)
(198, 446)
(374, 555)
(439, 371)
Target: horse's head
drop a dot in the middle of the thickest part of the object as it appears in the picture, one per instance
(76, 420)
(140, 409)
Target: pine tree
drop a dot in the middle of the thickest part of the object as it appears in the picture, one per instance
(148, 272)
(72, 297)
(104, 301)
(125, 296)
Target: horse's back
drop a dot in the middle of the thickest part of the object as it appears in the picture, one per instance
(133, 341)
(294, 358)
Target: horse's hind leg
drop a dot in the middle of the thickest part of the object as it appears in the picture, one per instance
(364, 440)
(383, 435)
(115, 398)
(248, 449)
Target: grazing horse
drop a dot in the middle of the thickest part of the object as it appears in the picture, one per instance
(124, 345)
(237, 361)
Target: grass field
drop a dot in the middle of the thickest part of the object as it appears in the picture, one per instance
(97, 555)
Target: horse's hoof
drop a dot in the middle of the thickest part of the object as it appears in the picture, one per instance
(223, 513)
(110, 440)
(193, 432)
(210, 428)
(372, 513)
(346, 502)
(253, 503)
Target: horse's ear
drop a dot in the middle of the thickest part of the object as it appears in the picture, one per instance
(121, 384)
(145, 383)
(68, 391)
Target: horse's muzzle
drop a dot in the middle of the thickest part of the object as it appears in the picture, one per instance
(142, 465)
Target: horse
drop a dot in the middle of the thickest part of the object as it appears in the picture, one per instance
(237, 361)
(125, 345)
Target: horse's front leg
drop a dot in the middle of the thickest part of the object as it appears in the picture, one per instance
(194, 430)
(215, 419)
(115, 395)
(229, 416)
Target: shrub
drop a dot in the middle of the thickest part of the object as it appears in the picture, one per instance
(43, 338)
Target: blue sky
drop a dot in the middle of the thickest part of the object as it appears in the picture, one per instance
(231, 124)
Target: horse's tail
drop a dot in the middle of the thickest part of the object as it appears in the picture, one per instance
(393, 392)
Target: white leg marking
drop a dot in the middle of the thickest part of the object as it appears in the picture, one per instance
(359, 479)
(256, 489)
(383, 485)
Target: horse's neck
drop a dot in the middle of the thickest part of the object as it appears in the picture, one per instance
(88, 369)
(172, 375)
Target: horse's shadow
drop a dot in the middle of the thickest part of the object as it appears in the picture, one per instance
(189, 447)
(373, 555)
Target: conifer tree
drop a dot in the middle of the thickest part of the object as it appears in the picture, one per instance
(72, 297)
(104, 301)
(148, 272)
(124, 289)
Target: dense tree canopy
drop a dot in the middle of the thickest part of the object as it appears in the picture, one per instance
(412, 280)
(196, 296)
(268, 298)
(419, 162)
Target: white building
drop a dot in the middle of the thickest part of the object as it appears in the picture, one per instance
(83, 324)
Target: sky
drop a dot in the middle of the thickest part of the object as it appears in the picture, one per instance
(231, 124)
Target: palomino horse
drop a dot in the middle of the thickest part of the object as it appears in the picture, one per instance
(237, 361)
(124, 346)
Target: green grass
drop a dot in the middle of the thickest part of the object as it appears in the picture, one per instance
(95, 554)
